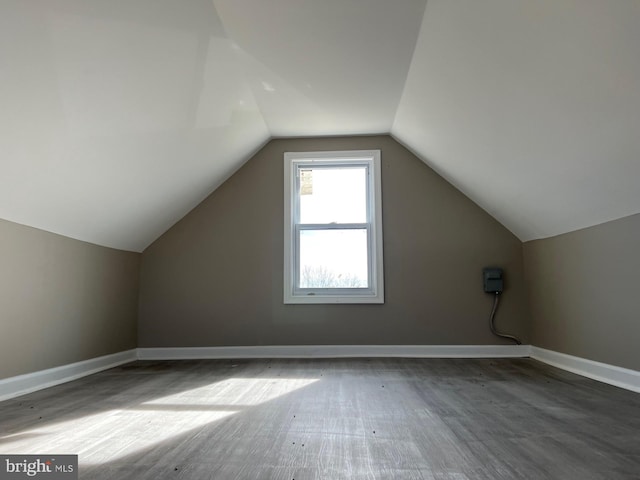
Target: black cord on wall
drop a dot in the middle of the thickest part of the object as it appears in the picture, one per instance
(492, 318)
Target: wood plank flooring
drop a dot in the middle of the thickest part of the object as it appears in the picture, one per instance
(444, 419)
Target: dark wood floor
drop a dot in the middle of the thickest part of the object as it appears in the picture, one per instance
(333, 419)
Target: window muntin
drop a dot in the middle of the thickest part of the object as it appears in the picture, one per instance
(333, 227)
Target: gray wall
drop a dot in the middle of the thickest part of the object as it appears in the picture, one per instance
(62, 300)
(584, 292)
(215, 278)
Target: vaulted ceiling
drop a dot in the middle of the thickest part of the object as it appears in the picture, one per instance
(119, 116)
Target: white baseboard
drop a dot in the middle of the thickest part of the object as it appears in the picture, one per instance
(336, 351)
(22, 384)
(603, 372)
(31, 382)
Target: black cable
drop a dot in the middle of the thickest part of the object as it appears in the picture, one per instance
(491, 319)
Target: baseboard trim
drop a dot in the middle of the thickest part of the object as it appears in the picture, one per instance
(603, 372)
(617, 376)
(22, 384)
(336, 351)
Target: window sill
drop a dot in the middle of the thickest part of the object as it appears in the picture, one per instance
(333, 299)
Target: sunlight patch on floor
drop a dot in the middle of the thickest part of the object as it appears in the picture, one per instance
(236, 391)
(116, 433)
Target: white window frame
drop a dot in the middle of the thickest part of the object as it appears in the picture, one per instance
(375, 292)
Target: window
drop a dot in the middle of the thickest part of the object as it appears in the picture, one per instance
(333, 227)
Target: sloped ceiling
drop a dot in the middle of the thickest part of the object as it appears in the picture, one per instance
(531, 108)
(119, 116)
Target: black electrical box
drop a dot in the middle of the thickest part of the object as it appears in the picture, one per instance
(492, 277)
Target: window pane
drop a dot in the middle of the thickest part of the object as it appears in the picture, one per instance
(333, 259)
(333, 195)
